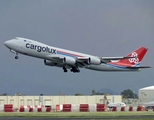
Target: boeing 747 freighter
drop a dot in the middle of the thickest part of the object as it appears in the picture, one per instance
(67, 59)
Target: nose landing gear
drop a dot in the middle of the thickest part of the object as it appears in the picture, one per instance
(16, 57)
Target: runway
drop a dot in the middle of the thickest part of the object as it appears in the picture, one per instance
(81, 118)
(141, 115)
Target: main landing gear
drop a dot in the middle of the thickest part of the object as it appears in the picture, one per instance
(64, 68)
(73, 69)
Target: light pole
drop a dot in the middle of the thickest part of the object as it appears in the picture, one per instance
(134, 95)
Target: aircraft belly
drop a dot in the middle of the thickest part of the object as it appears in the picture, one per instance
(106, 68)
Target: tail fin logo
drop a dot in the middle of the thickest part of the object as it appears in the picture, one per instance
(134, 60)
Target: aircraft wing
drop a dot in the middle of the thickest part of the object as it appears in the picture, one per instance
(55, 58)
(103, 59)
(82, 61)
(59, 58)
(109, 59)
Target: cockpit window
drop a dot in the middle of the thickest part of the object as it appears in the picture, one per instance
(29, 41)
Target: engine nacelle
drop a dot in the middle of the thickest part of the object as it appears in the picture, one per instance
(94, 61)
(69, 61)
(49, 63)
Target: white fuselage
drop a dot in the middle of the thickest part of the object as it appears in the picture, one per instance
(117, 104)
(43, 51)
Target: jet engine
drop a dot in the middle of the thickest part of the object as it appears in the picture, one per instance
(69, 61)
(94, 61)
(49, 63)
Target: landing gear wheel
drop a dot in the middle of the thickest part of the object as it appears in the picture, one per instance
(65, 70)
(78, 71)
(16, 57)
(75, 70)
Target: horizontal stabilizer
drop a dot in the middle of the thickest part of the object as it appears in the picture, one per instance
(140, 67)
(109, 59)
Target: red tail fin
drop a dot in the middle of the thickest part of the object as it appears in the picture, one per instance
(138, 54)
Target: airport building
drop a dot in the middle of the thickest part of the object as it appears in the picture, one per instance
(146, 94)
(18, 101)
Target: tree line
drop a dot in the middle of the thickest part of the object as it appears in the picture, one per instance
(125, 94)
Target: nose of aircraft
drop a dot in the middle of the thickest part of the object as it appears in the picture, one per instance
(8, 43)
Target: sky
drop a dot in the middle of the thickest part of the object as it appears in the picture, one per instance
(99, 27)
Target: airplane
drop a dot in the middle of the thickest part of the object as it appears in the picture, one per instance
(116, 104)
(66, 59)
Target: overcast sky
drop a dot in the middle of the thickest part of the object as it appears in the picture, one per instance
(97, 27)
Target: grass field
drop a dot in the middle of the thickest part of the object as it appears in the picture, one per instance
(113, 115)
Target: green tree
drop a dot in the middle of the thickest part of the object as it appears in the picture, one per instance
(96, 93)
(4, 94)
(78, 94)
(93, 92)
(128, 94)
